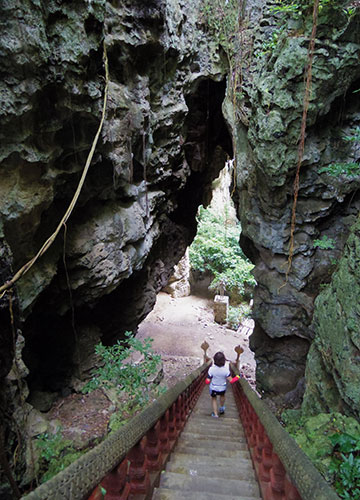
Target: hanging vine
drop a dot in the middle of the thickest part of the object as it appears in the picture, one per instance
(301, 146)
(24, 269)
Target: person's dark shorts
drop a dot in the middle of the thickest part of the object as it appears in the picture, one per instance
(213, 394)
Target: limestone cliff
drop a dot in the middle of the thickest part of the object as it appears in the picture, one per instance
(163, 142)
(333, 369)
(267, 152)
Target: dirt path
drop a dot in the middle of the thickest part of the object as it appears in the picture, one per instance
(179, 326)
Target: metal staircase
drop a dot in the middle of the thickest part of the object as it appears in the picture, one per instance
(211, 459)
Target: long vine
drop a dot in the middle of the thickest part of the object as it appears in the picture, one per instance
(302, 133)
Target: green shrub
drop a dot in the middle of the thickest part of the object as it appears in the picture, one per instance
(56, 453)
(131, 379)
(216, 249)
(345, 465)
(324, 243)
(236, 314)
(332, 442)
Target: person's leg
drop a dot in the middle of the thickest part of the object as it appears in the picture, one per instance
(222, 403)
(214, 406)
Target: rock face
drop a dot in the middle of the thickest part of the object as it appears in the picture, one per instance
(333, 368)
(163, 142)
(179, 281)
(266, 159)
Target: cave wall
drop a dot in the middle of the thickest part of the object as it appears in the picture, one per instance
(163, 142)
(266, 139)
(333, 368)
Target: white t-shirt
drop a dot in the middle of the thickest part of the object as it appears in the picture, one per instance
(218, 375)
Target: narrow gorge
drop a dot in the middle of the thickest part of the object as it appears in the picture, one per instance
(179, 104)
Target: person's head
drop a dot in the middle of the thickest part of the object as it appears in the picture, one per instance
(219, 359)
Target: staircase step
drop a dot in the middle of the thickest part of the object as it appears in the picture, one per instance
(166, 494)
(234, 471)
(215, 423)
(193, 450)
(209, 444)
(199, 428)
(200, 436)
(194, 460)
(172, 480)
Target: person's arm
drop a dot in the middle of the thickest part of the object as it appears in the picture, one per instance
(232, 380)
(209, 377)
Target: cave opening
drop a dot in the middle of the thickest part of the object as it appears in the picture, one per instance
(61, 323)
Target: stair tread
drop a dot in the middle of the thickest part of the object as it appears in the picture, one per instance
(207, 435)
(167, 494)
(210, 443)
(219, 453)
(204, 459)
(242, 472)
(173, 480)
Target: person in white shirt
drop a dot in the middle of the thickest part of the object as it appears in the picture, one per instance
(217, 375)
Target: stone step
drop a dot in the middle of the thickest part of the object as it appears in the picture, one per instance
(210, 444)
(216, 425)
(224, 421)
(204, 435)
(174, 481)
(166, 494)
(194, 460)
(207, 408)
(235, 471)
(193, 450)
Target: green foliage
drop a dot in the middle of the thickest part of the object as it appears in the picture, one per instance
(324, 243)
(345, 465)
(270, 44)
(216, 249)
(129, 378)
(56, 453)
(297, 9)
(332, 442)
(349, 169)
(223, 20)
(236, 314)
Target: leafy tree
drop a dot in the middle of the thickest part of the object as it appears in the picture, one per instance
(117, 369)
(216, 249)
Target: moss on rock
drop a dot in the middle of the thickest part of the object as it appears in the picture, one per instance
(333, 369)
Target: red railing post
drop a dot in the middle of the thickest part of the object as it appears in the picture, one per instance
(152, 448)
(275, 487)
(164, 433)
(138, 473)
(266, 461)
(115, 484)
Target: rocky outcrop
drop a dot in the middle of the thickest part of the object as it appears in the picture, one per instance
(267, 150)
(156, 159)
(162, 144)
(179, 281)
(333, 369)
